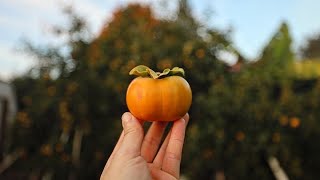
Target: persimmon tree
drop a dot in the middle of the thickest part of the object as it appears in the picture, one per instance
(71, 103)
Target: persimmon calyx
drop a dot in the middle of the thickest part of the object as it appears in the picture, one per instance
(145, 71)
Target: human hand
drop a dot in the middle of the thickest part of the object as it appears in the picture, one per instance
(136, 157)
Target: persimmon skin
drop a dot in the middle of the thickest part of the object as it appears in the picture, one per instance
(166, 99)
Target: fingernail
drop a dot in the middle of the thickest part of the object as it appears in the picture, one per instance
(126, 117)
(186, 116)
(183, 120)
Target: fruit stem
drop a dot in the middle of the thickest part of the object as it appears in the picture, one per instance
(145, 71)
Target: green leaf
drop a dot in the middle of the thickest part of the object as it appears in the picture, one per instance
(153, 74)
(177, 71)
(140, 70)
(165, 72)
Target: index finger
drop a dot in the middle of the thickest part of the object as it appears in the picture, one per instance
(116, 148)
(172, 157)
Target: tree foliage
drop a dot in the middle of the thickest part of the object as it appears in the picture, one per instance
(312, 48)
(68, 123)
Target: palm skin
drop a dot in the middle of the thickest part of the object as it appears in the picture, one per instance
(138, 157)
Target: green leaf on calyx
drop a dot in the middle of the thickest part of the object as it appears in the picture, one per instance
(144, 71)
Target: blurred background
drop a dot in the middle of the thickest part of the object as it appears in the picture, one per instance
(254, 69)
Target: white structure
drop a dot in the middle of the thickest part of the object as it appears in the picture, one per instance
(8, 108)
(7, 97)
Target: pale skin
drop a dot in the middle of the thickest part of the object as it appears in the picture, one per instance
(138, 157)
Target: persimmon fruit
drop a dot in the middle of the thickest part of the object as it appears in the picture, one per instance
(155, 96)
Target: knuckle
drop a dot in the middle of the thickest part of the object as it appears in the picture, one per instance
(132, 130)
(152, 141)
(173, 156)
(178, 141)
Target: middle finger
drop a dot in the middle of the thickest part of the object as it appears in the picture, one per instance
(152, 140)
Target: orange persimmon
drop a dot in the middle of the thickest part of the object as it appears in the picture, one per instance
(158, 96)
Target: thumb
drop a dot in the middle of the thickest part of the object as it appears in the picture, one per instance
(133, 136)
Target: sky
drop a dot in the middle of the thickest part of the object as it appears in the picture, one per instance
(252, 22)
